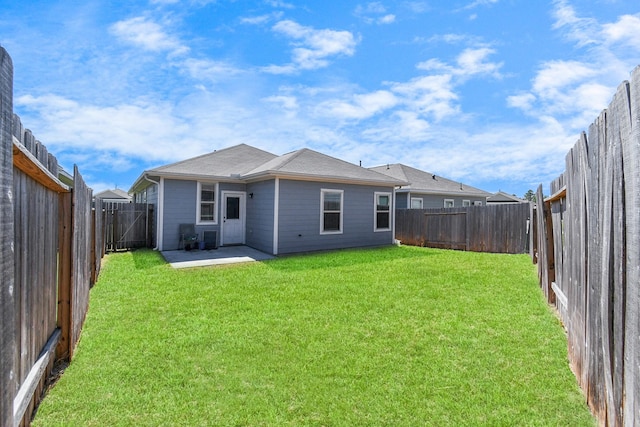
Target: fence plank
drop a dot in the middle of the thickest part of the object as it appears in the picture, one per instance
(630, 129)
(81, 250)
(7, 296)
(65, 284)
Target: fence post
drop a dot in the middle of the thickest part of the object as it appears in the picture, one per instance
(7, 310)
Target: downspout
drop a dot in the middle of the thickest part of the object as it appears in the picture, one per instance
(160, 209)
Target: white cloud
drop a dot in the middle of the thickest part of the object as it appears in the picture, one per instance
(582, 30)
(470, 62)
(478, 3)
(261, 19)
(148, 130)
(148, 35)
(374, 12)
(360, 106)
(474, 61)
(280, 4)
(387, 19)
(523, 101)
(575, 91)
(431, 96)
(625, 31)
(312, 48)
(205, 69)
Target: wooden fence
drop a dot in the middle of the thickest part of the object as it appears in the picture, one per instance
(50, 256)
(588, 254)
(491, 228)
(126, 225)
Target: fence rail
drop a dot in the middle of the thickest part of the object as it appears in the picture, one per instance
(492, 228)
(588, 254)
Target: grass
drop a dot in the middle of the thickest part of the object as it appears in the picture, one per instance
(397, 336)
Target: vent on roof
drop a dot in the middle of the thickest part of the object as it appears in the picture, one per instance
(433, 176)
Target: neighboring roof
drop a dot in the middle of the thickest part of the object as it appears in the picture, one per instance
(244, 162)
(309, 163)
(113, 194)
(502, 197)
(426, 182)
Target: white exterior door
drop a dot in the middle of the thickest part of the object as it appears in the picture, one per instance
(233, 218)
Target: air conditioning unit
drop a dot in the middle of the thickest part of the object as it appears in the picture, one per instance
(210, 239)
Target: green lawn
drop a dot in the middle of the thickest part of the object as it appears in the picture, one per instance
(398, 336)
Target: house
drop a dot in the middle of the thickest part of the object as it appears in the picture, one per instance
(427, 190)
(115, 195)
(501, 198)
(301, 201)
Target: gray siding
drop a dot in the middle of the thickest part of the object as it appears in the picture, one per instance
(299, 222)
(179, 208)
(436, 201)
(260, 215)
(180, 200)
(401, 200)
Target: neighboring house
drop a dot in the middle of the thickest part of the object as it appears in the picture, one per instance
(116, 195)
(427, 190)
(301, 201)
(503, 198)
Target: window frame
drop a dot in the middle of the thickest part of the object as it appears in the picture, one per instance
(376, 211)
(416, 199)
(466, 203)
(452, 201)
(199, 220)
(323, 192)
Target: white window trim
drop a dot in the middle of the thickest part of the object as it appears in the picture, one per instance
(375, 211)
(466, 203)
(215, 204)
(323, 191)
(453, 203)
(416, 198)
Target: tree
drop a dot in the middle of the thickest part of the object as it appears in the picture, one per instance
(530, 196)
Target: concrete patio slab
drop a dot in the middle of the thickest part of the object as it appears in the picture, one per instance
(220, 256)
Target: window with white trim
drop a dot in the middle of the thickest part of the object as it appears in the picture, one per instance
(331, 211)
(448, 203)
(466, 203)
(382, 211)
(206, 212)
(417, 203)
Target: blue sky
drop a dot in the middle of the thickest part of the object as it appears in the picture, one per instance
(492, 93)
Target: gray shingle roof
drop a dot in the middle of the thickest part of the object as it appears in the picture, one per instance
(426, 182)
(244, 162)
(113, 194)
(228, 162)
(502, 197)
(310, 163)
